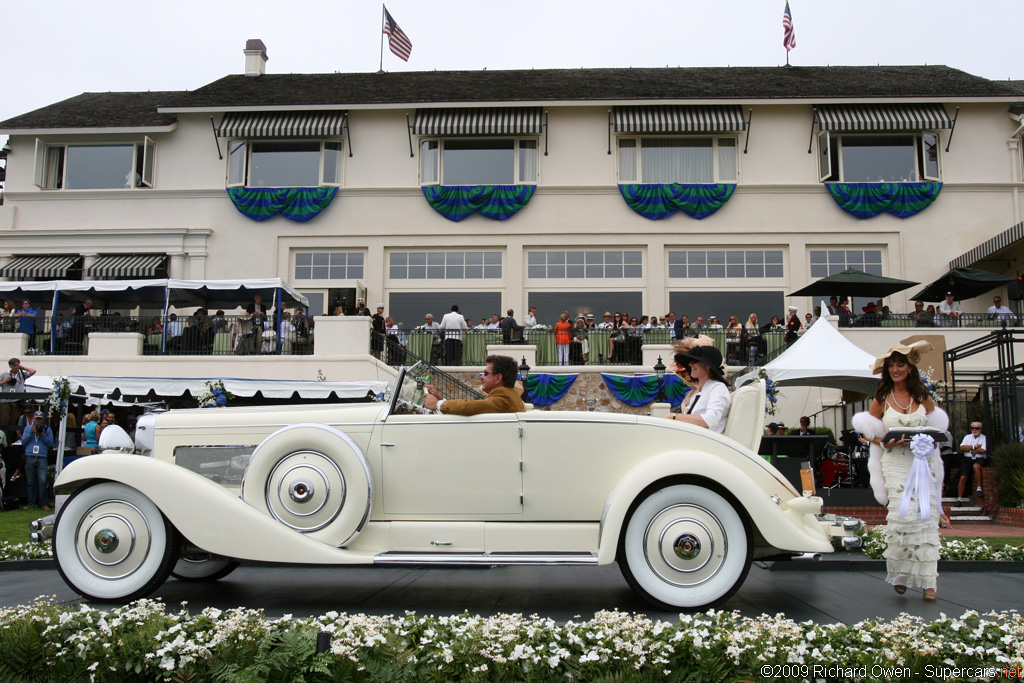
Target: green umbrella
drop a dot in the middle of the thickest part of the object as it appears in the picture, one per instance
(854, 283)
(965, 283)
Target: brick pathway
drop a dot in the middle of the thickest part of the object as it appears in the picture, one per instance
(982, 529)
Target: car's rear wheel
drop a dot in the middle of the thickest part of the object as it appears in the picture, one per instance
(685, 547)
(112, 543)
(201, 566)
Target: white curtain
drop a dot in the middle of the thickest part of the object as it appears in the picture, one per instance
(527, 161)
(678, 160)
(429, 158)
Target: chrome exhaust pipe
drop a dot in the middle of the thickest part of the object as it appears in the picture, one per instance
(807, 557)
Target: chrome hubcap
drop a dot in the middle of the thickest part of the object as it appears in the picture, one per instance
(106, 541)
(687, 547)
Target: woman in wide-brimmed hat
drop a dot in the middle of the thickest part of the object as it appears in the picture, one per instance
(709, 405)
(906, 474)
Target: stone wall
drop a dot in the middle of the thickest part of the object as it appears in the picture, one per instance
(587, 385)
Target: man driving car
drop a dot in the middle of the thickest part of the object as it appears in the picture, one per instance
(499, 381)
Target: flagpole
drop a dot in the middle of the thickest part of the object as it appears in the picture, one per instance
(384, 9)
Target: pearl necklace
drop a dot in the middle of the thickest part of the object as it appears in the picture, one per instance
(905, 408)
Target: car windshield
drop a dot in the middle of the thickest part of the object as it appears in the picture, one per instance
(412, 380)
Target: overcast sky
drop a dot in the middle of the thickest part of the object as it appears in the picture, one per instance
(57, 49)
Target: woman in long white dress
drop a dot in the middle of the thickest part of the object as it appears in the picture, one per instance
(902, 400)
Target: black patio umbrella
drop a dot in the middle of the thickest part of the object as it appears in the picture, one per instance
(853, 283)
(965, 283)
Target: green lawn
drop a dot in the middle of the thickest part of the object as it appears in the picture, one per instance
(14, 523)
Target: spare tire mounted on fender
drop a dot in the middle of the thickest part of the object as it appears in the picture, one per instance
(312, 478)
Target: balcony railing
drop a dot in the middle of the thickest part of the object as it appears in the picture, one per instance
(179, 336)
(596, 347)
(925, 319)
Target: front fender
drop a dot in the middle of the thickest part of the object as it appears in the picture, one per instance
(207, 514)
(788, 525)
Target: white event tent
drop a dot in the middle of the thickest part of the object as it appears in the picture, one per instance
(822, 357)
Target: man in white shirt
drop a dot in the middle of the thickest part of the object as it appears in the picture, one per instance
(1002, 312)
(951, 309)
(975, 450)
(453, 325)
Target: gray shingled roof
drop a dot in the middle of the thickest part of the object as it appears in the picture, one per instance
(730, 83)
(736, 84)
(100, 110)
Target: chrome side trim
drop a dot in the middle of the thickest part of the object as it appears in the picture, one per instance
(479, 558)
(264, 424)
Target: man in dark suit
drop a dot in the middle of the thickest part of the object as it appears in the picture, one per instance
(511, 331)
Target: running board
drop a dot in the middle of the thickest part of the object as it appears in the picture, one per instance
(485, 559)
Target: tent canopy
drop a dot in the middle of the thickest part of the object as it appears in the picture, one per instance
(182, 293)
(965, 283)
(822, 357)
(179, 386)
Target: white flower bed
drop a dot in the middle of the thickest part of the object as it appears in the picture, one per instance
(25, 551)
(143, 641)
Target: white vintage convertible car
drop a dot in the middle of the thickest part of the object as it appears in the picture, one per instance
(683, 510)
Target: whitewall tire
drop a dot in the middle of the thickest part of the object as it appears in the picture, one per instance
(112, 543)
(312, 478)
(685, 547)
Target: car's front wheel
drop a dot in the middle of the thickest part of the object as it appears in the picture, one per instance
(112, 543)
(685, 547)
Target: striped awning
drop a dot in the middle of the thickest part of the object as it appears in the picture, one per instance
(281, 124)
(127, 266)
(985, 249)
(872, 117)
(478, 121)
(30, 267)
(679, 119)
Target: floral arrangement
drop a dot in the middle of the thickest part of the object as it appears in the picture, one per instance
(60, 394)
(874, 542)
(144, 641)
(10, 552)
(771, 392)
(215, 395)
(936, 388)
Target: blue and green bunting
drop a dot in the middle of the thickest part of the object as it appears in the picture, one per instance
(299, 204)
(867, 200)
(544, 390)
(660, 201)
(639, 390)
(497, 202)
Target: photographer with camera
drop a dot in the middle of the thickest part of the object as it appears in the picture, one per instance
(12, 381)
(37, 441)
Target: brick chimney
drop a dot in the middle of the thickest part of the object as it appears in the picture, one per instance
(255, 57)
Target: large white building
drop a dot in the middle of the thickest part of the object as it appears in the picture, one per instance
(694, 190)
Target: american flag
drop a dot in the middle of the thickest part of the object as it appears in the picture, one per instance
(397, 40)
(788, 35)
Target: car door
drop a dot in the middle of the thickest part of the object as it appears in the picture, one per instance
(451, 465)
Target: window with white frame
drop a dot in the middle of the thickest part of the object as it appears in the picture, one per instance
(690, 159)
(122, 165)
(329, 265)
(580, 264)
(825, 262)
(445, 265)
(483, 161)
(878, 158)
(725, 263)
(284, 163)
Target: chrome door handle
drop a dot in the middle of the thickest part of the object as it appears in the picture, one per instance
(390, 445)
(440, 543)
